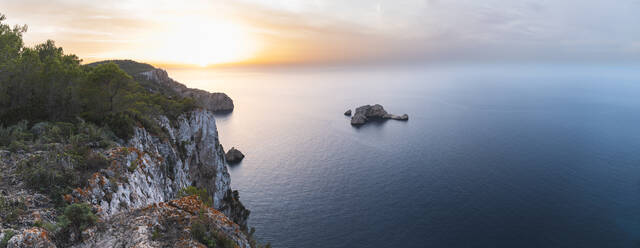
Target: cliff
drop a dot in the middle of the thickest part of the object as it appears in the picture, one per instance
(142, 178)
(158, 81)
(216, 102)
(152, 169)
(96, 155)
(165, 224)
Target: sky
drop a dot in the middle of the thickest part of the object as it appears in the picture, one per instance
(213, 32)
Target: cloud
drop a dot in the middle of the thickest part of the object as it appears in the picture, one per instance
(316, 31)
(464, 29)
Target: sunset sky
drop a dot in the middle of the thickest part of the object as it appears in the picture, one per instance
(213, 32)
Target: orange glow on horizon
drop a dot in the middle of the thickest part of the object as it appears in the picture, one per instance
(203, 42)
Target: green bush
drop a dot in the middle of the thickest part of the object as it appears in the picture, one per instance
(76, 217)
(121, 124)
(203, 232)
(155, 235)
(5, 240)
(17, 146)
(199, 233)
(50, 227)
(11, 210)
(59, 171)
(79, 134)
(48, 175)
(16, 135)
(92, 163)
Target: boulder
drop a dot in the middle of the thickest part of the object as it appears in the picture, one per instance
(366, 113)
(34, 237)
(348, 113)
(234, 156)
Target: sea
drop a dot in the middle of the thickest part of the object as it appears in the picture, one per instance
(493, 155)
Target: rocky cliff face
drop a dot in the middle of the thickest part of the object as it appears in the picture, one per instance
(211, 101)
(152, 169)
(32, 237)
(165, 224)
(134, 196)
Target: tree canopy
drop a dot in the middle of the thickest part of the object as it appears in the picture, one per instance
(42, 83)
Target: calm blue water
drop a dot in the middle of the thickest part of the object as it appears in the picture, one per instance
(492, 156)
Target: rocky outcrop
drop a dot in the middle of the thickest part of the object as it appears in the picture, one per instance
(366, 113)
(151, 169)
(21, 207)
(348, 112)
(234, 156)
(136, 189)
(164, 224)
(216, 102)
(31, 238)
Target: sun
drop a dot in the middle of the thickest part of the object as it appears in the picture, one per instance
(203, 42)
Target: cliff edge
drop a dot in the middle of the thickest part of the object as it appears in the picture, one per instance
(140, 182)
(216, 102)
(157, 80)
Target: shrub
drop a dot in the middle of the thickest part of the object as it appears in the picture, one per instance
(203, 232)
(59, 171)
(80, 134)
(93, 135)
(155, 235)
(17, 146)
(202, 193)
(52, 228)
(11, 210)
(121, 124)
(15, 136)
(48, 175)
(76, 217)
(5, 240)
(199, 233)
(92, 163)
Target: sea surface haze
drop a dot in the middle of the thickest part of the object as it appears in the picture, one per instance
(492, 156)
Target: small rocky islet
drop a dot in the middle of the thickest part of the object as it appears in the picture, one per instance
(366, 113)
(234, 156)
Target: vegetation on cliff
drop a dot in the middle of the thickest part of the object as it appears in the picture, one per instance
(63, 131)
(45, 84)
